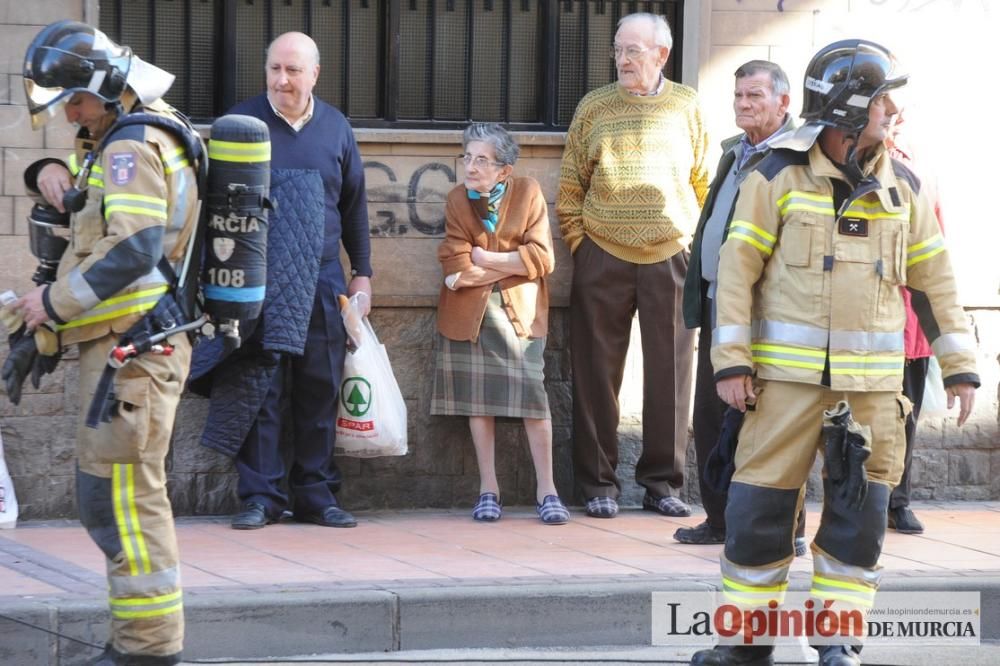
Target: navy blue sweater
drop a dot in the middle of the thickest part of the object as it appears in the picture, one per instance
(325, 144)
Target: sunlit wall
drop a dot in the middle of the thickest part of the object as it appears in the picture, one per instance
(949, 47)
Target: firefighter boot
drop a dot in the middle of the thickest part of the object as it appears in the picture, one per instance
(735, 655)
(838, 655)
(112, 657)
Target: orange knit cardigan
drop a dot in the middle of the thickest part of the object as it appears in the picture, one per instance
(523, 226)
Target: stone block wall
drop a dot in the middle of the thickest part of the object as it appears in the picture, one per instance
(409, 175)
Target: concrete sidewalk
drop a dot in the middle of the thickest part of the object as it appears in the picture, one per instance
(416, 580)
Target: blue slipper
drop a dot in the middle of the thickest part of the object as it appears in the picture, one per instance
(487, 509)
(552, 511)
(602, 507)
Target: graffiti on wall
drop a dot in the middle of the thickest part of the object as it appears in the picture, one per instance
(395, 208)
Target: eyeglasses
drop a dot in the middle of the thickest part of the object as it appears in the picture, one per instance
(480, 161)
(630, 52)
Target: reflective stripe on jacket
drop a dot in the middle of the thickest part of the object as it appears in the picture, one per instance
(142, 205)
(802, 289)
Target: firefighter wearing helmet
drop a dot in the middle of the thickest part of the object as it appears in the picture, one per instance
(131, 193)
(809, 342)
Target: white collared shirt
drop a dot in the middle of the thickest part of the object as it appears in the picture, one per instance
(659, 88)
(301, 122)
(750, 149)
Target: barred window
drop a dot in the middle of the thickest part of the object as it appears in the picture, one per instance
(393, 63)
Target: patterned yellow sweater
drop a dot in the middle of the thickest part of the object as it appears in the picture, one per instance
(633, 175)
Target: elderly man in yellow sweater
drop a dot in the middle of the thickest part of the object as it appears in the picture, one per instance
(633, 179)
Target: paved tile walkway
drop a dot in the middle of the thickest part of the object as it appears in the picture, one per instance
(446, 548)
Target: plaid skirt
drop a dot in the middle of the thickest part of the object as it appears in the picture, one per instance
(499, 375)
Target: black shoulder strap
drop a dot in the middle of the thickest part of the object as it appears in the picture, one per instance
(195, 152)
(184, 133)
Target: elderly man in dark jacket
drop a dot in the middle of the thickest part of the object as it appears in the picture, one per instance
(319, 189)
(760, 103)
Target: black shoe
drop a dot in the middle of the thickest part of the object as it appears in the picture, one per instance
(112, 657)
(735, 655)
(838, 655)
(666, 505)
(904, 521)
(801, 547)
(331, 516)
(701, 534)
(253, 517)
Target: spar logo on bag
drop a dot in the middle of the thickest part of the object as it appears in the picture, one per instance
(356, 402)
(371, 412)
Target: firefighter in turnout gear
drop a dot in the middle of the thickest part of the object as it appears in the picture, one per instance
(810, 335)
(133, 195)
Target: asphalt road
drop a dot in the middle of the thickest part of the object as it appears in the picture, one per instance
(987, 654)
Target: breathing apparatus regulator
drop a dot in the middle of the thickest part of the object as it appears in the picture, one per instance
(48, 236)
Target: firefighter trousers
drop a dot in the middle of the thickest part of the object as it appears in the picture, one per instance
(777, 446)
(122, 493)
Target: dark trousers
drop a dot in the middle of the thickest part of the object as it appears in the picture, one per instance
(707, 420)
(312, 383)
(914, 380)
(606, 293)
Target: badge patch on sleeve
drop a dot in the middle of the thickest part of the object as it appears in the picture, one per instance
(122, 168)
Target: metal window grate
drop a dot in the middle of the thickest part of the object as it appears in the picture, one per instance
(392, 63)
(177, 35)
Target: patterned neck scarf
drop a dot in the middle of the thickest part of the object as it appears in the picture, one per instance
(486, 207)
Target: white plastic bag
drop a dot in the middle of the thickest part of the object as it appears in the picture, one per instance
(935, 402)
(371, 413)
(8, 502)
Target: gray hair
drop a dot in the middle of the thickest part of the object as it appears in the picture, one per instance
(503, 143)
(779, 80)
(661, 29)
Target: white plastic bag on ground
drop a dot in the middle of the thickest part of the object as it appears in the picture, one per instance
(371, 413)
(8, 502)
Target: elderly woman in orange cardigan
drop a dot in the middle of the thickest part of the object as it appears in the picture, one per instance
(493, 313)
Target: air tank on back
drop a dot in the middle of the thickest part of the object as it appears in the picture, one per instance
(234, 273)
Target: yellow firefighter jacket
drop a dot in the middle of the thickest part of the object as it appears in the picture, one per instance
(804, 291)
(142, 205)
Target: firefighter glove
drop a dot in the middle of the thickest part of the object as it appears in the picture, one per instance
(42, 366)
(17, 366)
(855, 487)
(847, 447)
(834, 433)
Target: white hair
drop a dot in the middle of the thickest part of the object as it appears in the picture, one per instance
(494, 134)
(661, 29)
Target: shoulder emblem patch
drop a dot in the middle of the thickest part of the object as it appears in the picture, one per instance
(122, 168)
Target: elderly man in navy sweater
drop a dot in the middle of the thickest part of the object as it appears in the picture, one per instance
(307, 134)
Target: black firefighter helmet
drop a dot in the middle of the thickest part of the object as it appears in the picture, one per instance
(843, 78)
(67, 57)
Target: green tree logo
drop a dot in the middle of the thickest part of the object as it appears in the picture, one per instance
(356, 396)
